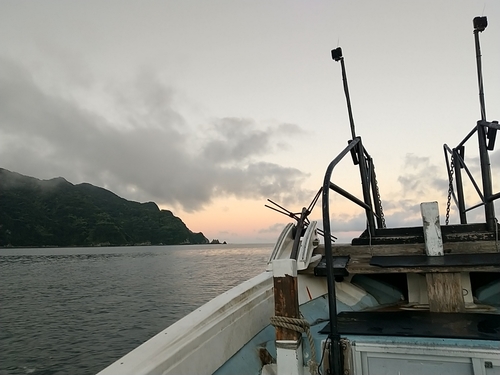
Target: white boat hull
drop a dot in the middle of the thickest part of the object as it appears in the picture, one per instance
(205, 339)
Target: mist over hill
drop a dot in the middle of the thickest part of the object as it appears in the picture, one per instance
(36, 213)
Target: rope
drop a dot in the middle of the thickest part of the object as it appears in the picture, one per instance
(299, 325)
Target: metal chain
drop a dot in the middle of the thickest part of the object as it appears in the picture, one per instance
(380, 204)
(370, 166)
(450, 189)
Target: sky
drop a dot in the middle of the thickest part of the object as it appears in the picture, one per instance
(209, 108)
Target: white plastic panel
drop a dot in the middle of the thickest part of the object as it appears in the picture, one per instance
(283, 246)
(306, 246)
(394, 359)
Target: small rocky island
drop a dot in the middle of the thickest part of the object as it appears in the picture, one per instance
(217, 242)
(44, 213)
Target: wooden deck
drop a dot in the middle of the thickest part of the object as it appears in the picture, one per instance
(361, 256)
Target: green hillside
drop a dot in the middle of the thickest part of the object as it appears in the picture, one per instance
(55, 212)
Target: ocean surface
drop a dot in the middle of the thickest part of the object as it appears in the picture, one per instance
(72, 311)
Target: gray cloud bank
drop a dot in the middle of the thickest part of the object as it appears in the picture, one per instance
(146, 151)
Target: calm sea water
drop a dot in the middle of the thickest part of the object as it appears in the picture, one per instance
(75, 311)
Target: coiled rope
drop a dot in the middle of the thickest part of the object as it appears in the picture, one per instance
(299, 325)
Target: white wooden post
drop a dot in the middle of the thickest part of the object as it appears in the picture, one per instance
(444, 289)
(432, 228)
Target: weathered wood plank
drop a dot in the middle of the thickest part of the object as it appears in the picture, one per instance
(286, 297)
(360, 264)
(445, 292)
(402, 249)
(361, 256)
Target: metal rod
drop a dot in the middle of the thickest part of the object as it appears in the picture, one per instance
(480, 24)
(298, 233)
(365, 181)
(489, 208)
(315, 199)
(321, 232)
(347, 97)
(477, 30)
(334, 336)
(460, 187)
(475, 206)
(467, 137)
(491, 125)
(493, 197)
(365, 185)
(349, 196)
(471, 177)
(287, 213)
(460, 160)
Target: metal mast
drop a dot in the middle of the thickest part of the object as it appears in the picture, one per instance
(480, 24)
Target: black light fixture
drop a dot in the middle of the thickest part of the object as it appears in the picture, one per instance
(337, 54)
(480, 23)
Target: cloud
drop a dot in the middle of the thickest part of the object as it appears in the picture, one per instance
(421, 177)
(421, 181)
(273, 229)
(495, 159)
(238, 139)
(135, 141)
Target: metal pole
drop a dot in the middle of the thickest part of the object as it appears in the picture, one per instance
(365, 185)
(334, 335)
(337, 56)
(489, 208)
(480, 24)
(365, 181)
(348, 99)
(459, 184)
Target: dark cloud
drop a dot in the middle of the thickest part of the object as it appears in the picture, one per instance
(146, 150)
(236, 141)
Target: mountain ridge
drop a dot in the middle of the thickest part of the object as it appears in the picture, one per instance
(55, 212)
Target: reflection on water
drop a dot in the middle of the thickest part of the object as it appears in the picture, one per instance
(76, 310)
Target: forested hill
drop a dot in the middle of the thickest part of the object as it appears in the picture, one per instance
(55, 212)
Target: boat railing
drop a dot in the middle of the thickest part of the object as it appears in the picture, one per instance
(455, 157)
(486, 137)
(455, 163)
(362, 158)
(368, 180)
(374, 217)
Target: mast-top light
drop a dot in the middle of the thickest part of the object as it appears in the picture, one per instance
(337, 54)
(480, 23)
